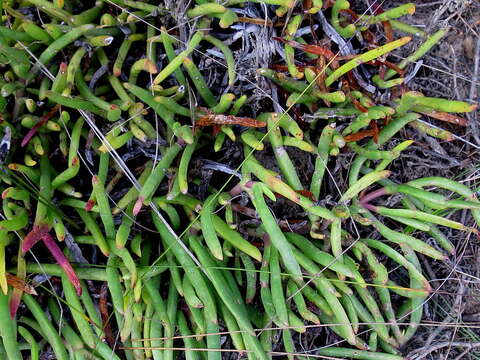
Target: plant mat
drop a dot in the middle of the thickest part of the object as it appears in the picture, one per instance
(239, 127)
(456, 308)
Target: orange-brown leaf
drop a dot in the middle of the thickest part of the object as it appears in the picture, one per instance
(359, 106)
(373, 125)
(219, 119)
(311, 49)
(103, 307)
(389, 65)
(261, 22)
(20, 284)
(387, 27)
(307, 194)
(447, 117)
(359, 135)
(320, 79)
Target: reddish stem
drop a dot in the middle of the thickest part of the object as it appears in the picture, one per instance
(369, 206)
(244, 210)
(31, 133)
(237, 189)
(373, 195)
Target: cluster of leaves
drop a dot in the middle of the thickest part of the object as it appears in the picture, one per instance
(92, 91)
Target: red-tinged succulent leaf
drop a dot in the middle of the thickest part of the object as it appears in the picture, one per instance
(89, 205)
(62, 261)
(138, 205)
(34, 236)
(216, 130)
(20, 286)
(15, 303)
(5, 193)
